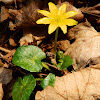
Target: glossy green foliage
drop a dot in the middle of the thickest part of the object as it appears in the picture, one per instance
(23, 87)
(29, 58)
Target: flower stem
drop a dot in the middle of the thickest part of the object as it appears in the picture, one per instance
(55, 44)
(39, 79)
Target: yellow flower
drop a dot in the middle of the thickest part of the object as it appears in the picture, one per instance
(57, 18)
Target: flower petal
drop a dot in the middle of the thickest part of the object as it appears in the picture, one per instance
(69, 14)
(43, 20)
(45, 13)
(62, 9)
(52, 7)
(63, 28)
(70, 22)
(52, 28)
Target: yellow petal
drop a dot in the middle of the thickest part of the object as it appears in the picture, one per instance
(62, 9)
(69, 14)
(63, 28)
(52, 7)
(70, 22)
(43, 20)
(52, 28)
(45, 13)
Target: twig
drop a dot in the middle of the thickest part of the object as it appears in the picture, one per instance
(5, 50)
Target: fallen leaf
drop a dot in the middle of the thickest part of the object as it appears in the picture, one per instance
(37, 34)
(95, 10)
(1, 91)
(93, 15)
(6, 65)
(81, 85)
(5, 75)
(85, 46)
(4, 14)
(11, 1)
(12, 42)
(8, 89)
(63, 45)
(7, 1)
(94, 61)
(1, 63)
(11, 26)
(8, 57)
(26, 39)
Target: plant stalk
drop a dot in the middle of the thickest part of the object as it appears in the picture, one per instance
(55, 44)
(39, 79)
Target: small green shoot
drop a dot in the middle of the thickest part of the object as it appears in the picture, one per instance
(64, 61)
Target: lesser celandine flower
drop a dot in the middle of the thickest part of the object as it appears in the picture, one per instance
(57, 18)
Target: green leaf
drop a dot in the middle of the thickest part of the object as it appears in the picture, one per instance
(29, 58)
(49, 80)
(65, 62)
(23, 87)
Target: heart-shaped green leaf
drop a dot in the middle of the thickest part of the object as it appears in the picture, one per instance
(49, 80)
(29, 58)
(23, 87)
(65, 62)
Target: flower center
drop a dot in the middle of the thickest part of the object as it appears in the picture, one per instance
(57, 19)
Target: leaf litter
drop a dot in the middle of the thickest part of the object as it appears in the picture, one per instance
(82, 84)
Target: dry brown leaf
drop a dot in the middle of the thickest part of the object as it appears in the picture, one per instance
(12, 42)
(93, 15)
(1, 64)
(11, 1)
(4, 14)
(95, 10)
(11, 26)
(86, 45)
(5, 75)
(6, 65)
(81, 85)
(7, 1)
(8, 57)
(26, 39)
(1, 91)
(94, 61)
(37, 34)
(63, 45)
